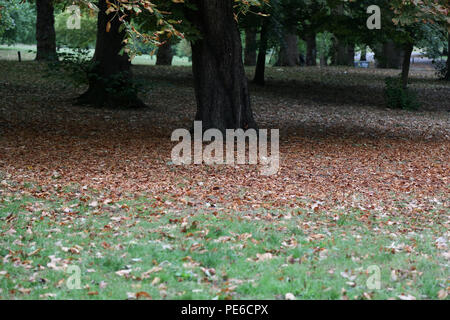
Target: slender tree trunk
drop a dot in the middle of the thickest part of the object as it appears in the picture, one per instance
(289, 55)
(250, 47)
(223, 100)
(164, 56)
(406, 65)
(311, 49)
(363, 54)
(110, 77)
(351, 55)
(260, 69)
(447, 75)
(45, 31)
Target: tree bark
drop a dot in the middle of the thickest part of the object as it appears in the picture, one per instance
(406, 64)
(311, 49)
(223, 100)
(45, 31)
(260, 69)
(447, 75)
(110, 77)
(363, 54)
(390, 57)
(289, 55)
(342, 53)
(164, 56)
(250, 47)
(351, 55)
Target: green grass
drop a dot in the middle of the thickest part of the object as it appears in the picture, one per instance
(310, 254)
(28, 54)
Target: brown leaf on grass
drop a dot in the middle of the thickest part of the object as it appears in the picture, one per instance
(263, 257)
(143, 295)
(442, 294)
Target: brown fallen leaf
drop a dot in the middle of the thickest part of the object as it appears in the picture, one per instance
(143, 294)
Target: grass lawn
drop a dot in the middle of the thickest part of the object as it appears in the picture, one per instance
(128, 247)
(362, 193)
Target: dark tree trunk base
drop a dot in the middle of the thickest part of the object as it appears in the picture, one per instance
(311, 49)
(110, 77)
(221, 89)
(164, 56)
(289, 55)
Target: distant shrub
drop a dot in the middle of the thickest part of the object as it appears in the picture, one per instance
(441, 69)
(183, 49)
(398, 97)
(74, 65)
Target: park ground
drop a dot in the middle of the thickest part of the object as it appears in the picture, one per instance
(362, 192)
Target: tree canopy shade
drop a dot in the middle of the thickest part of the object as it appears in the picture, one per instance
(212, 28)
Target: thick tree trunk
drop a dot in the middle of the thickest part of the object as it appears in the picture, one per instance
(223, 100)
(250, 47)
(164, 56)
(390, 56)
(289, 55)
(406, 65)
(311, 49)
(45, 31)
(260, 69)
(110, 78)
(343, 53)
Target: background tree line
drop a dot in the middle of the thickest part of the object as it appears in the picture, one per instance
(226, 35)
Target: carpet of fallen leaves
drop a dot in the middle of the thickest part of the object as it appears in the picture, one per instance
(330, 152)
(340, 147)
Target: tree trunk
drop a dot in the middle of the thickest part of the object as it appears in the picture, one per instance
(223, 100)
(45, 31)
(110, 77)
(289, 55)
(260, 69)
(250, 47)
(447, 75)
(406, 65)
(363, 54)
(390, 56)
(351, 55)
(311, 49)
(342, 53)
(164, 56)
